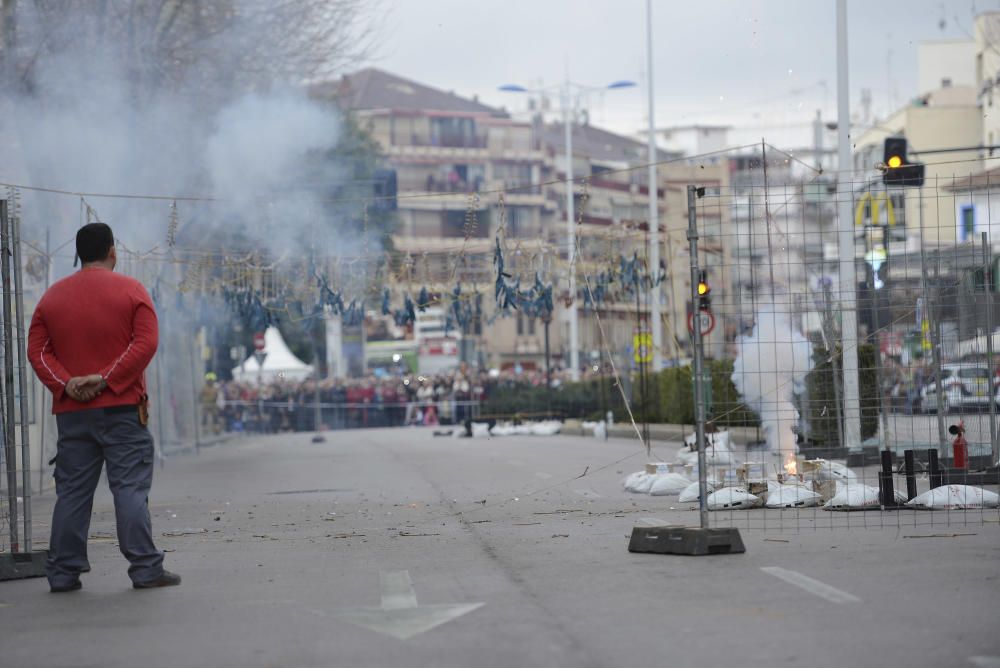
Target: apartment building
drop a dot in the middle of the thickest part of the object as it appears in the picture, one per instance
(458, 160)
(947, 118)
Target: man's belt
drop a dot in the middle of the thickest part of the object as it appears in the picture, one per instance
(113, 410)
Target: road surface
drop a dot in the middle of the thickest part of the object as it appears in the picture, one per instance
(398, 548)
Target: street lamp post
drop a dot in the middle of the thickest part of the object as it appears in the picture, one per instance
(566, 97)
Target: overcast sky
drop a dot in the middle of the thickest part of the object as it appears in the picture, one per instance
(762, 65)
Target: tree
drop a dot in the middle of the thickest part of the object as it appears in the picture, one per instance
(217, 47)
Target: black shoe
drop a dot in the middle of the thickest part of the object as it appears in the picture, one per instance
(65, 588)
(168, 579)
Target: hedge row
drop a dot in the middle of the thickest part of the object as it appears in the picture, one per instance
(670, 398)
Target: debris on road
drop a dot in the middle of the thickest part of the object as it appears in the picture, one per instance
(184, 532)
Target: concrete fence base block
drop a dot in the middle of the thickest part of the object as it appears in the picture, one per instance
(21, 565)
(691, 541)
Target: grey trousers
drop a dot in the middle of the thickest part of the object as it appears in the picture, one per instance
(88, 440)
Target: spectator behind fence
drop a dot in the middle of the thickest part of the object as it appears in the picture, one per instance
(370, 401)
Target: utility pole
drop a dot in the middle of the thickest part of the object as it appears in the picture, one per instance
(845, 201)
(654, 219)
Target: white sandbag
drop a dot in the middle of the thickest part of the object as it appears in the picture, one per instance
(713, 456)
(791, 496)
(668, 484)
(505, 429)
(853, 495)
(546, 428)
(690, 493)
(631, 479)
(588, 425)
(639, 483)
(718, 439)
(521, 430)
(480, 429)
(956, 497)
(834, 471)
(718, 457)
(731, 498)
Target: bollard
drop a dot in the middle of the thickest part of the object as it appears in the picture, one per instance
(887, 495)
(934, 471)
(911, 476)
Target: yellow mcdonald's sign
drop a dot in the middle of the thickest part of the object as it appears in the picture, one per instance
(876, 203)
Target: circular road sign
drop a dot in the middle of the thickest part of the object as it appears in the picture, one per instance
(258, 341)
(706, 322)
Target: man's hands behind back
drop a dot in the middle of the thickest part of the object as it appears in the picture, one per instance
(85, 388)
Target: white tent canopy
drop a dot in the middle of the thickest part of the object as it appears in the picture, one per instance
(280, 362)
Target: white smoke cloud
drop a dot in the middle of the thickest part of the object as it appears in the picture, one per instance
(770, 368)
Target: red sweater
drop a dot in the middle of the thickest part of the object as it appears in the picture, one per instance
(95, 321)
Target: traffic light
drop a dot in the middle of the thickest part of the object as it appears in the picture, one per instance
(704, 292)
(898, 170)
(894, 152)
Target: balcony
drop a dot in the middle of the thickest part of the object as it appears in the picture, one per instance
(448, 140)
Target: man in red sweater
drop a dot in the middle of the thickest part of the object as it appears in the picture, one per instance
(91, 337)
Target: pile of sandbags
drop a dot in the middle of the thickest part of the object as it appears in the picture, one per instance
(542, 428)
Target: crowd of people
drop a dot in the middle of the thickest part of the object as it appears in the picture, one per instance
(372, 401)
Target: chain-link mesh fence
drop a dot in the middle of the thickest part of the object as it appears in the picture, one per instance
(923, 291)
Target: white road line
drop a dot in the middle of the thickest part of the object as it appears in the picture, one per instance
(653, 522)
(985, 661)
(543, 475)
(811, 585)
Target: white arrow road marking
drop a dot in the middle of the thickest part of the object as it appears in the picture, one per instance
(399, 615)
(812, 586)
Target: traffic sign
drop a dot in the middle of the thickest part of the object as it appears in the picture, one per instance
(642, 344)
(259, 341)
(706, 322)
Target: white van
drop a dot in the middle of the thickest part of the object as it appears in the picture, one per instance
(962, 385)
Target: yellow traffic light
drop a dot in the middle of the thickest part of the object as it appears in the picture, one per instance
(703, 288)
(895, 161)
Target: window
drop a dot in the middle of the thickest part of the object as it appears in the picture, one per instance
(456, 132)
(967, 223)
(514, 175)
(518, 221)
